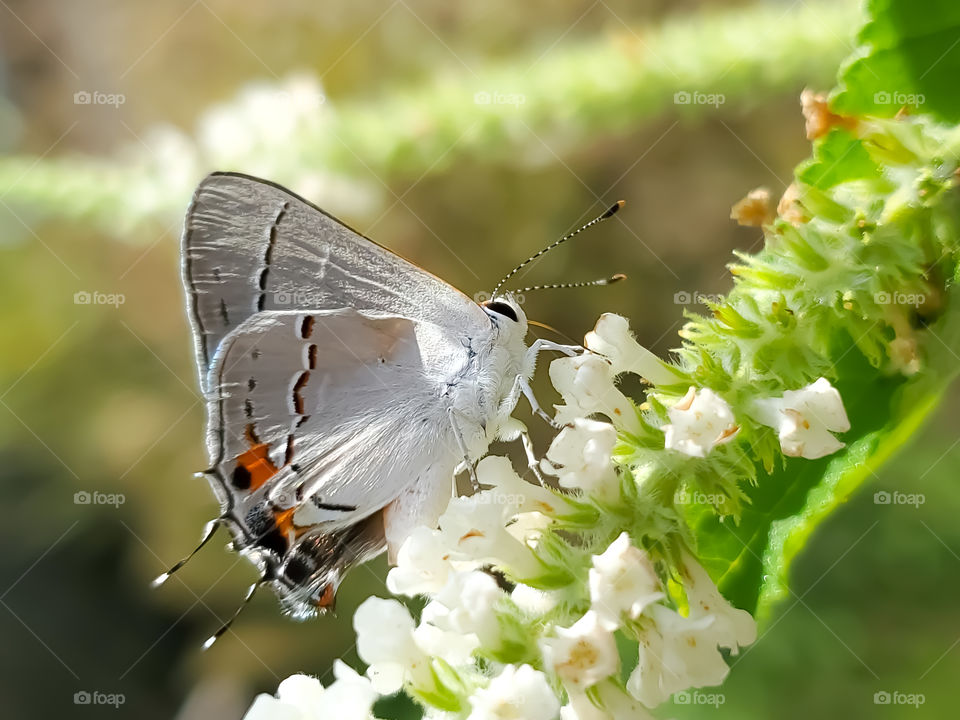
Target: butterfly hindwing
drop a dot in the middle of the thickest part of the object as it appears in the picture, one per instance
(302, 467)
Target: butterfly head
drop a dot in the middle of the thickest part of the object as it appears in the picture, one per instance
(504, 312)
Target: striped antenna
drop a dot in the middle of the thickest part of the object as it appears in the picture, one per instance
(208, 533)
(556, 286)
(226, 626)
(609, 213)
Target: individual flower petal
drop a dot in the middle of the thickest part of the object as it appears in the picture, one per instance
(454, 648)
(349, 697)
(612, 338)
(622, 580)
(732, 627)
(474, 529)
(583, 654)
(675, 653)
(700, 421)
(385, 642)
(466, 605)
(423, 565)
(534, 601)
(517, 693)
(586, 384)
(508, 488)
(581, 456)
(606, 701)
(805, 419)
(299, 697)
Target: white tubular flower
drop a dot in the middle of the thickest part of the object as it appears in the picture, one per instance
(385, 641)
(583, 654)
(675, 654)
(622, 580)
(510, 489)
(586, 384)
(533, 601)
(731, 627)
(474, 529)
(580, 456)
(609, 702)
(517, 693)
(612, 338)
(466, 606)
(422, 564)
(701, 420)
(805, 419)
(299, 697)
(350, 696)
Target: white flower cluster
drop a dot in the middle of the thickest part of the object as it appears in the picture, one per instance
(522, 624)
(804, 419)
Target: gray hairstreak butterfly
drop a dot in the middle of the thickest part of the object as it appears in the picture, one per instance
(345, 387)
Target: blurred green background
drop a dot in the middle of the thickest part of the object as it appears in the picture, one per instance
(102, 398)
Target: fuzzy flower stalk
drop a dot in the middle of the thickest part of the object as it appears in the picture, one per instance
(591, 596)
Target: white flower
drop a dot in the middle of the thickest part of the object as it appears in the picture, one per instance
(474, 529)
(510, 489)
(612, 338)
(583, 654)
(581, 456)
(622, 580)
(301, 697)
(350, 696)
(698, 422)
(676, 653)
(606, 701)
(466, 606)
(386, 643)
(533, 601)
(732, 627)
(805, 418)
(586, 384)
(423, 565)
(517, 693)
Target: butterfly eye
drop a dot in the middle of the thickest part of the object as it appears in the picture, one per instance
(502, 308)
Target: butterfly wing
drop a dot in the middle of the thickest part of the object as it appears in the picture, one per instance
(251, 246)
(317, 421)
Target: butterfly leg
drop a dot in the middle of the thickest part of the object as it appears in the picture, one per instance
(463, 448)
(532, 461)
(540, 345)
(522, 385)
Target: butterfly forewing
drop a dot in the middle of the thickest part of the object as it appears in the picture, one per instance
(251, 246)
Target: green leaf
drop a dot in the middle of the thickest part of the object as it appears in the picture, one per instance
(909, 55)
(751, 561)
(838, 157)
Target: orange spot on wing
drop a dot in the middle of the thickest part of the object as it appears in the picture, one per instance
(326, 599)
(257, 461)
